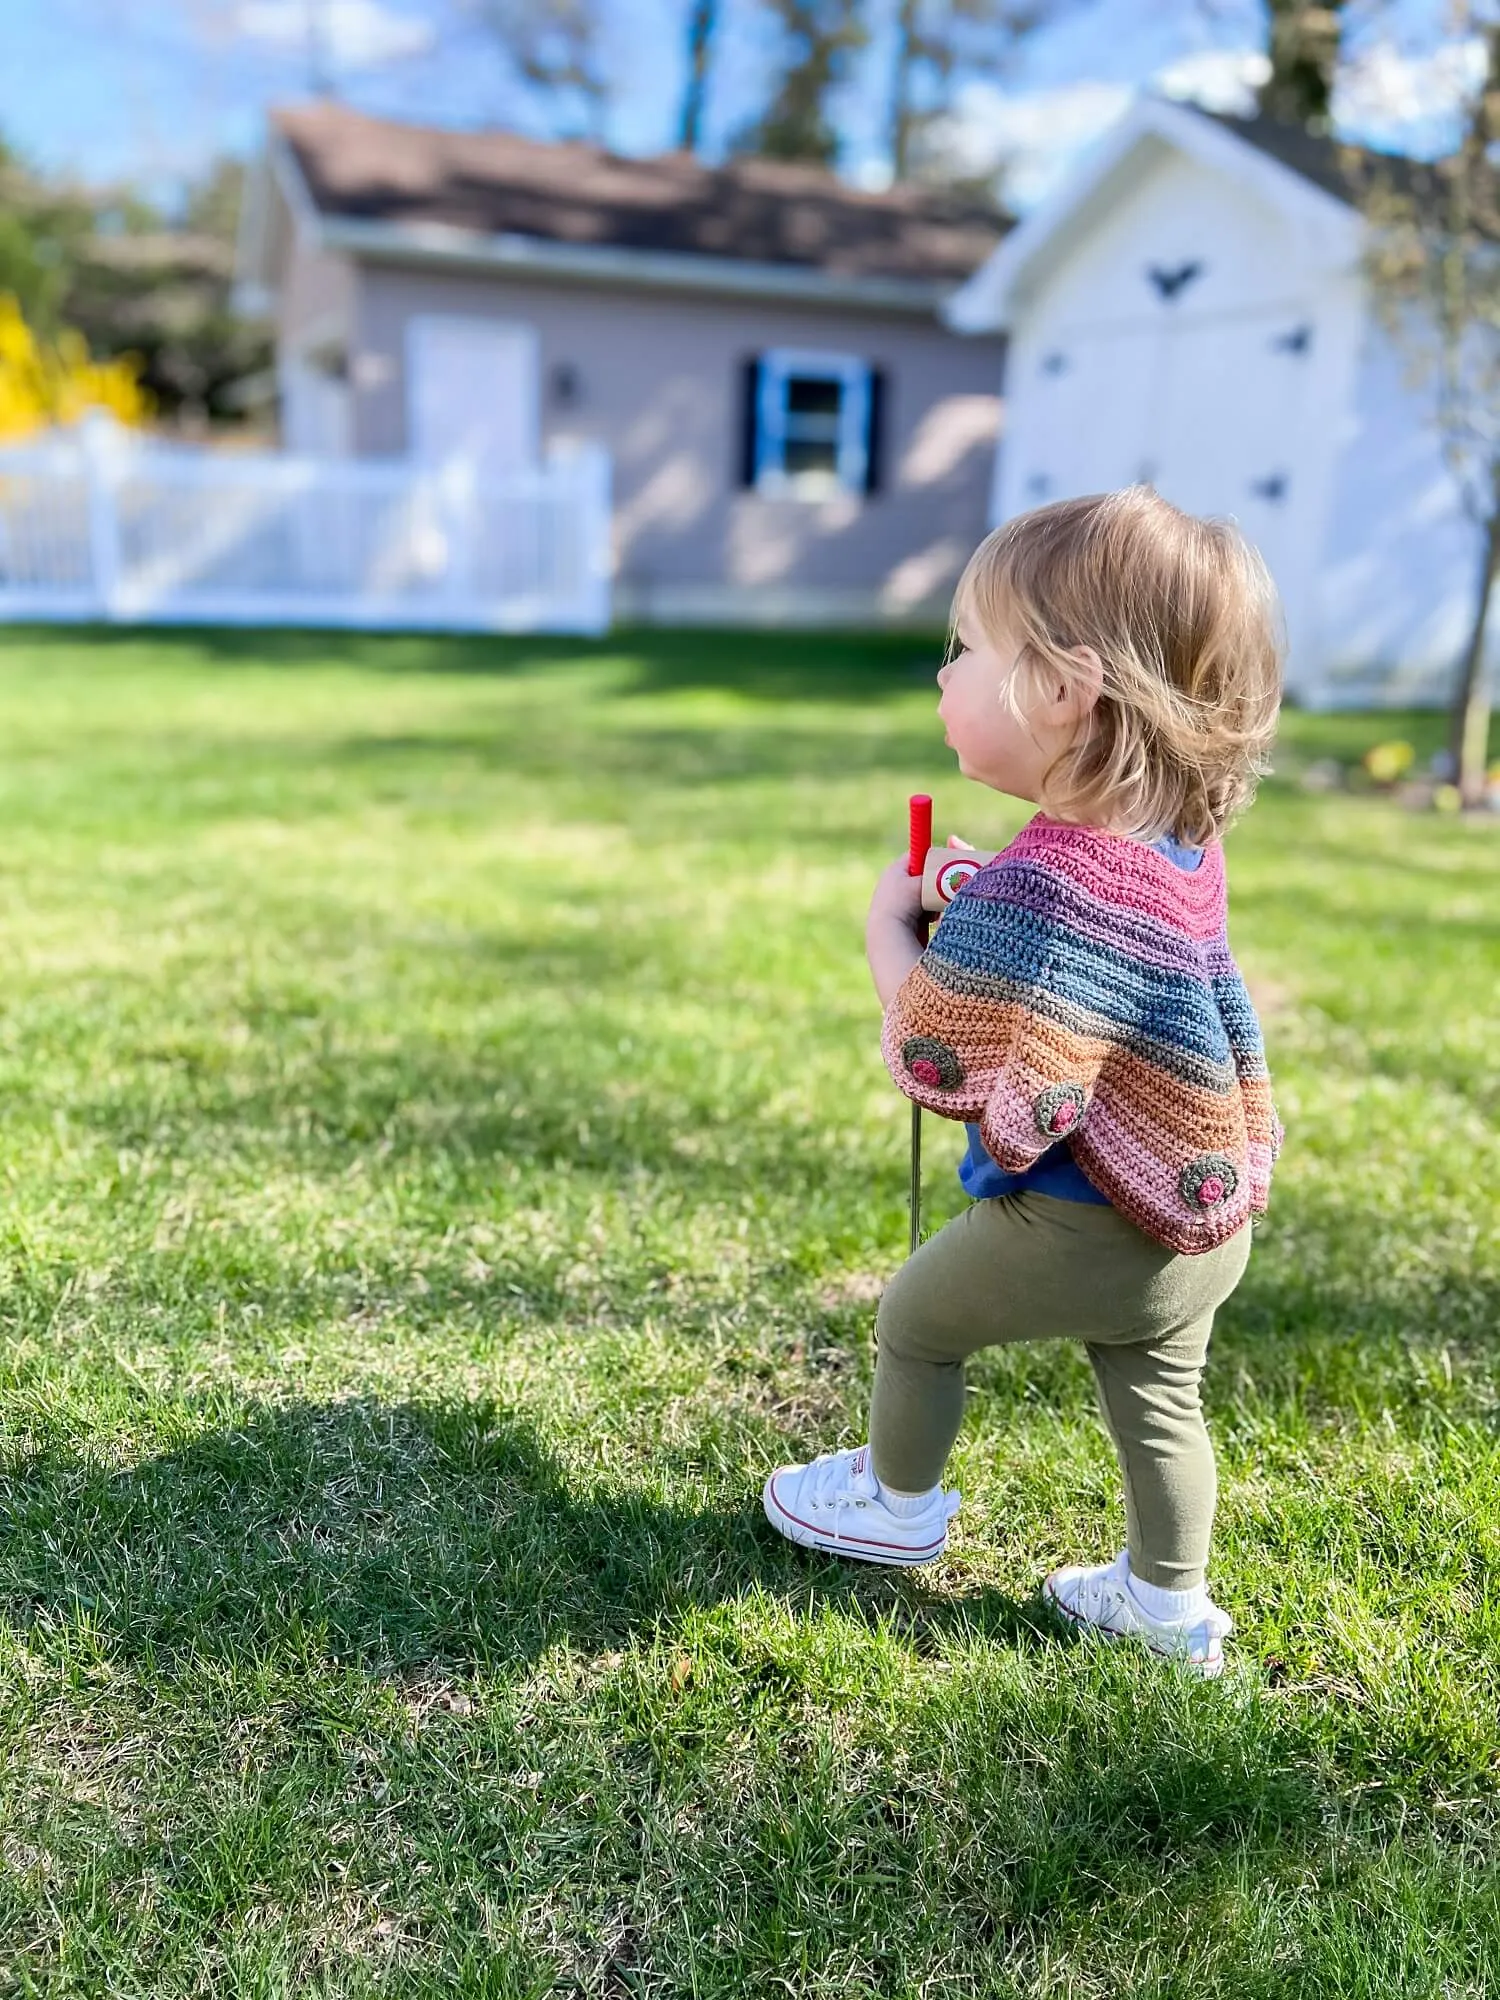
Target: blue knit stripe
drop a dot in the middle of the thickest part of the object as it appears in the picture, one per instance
(1042, 955)
(1033, 889)
(1237, 1011)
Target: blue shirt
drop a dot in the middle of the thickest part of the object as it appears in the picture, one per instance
(1056, 1173)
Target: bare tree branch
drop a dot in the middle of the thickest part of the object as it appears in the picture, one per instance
(1433, 262)
(557, 46)
(936, 42)
(820, 39)
(703, 20)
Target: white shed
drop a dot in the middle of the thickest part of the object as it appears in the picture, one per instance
(1190, 310)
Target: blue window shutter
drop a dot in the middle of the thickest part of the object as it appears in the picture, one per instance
(749, 418)
(875, 434)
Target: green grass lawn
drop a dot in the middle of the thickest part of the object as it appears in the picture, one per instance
(447, 1161)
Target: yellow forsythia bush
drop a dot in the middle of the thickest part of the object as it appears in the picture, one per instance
(44, 383)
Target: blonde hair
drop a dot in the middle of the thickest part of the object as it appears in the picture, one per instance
(1184, 617)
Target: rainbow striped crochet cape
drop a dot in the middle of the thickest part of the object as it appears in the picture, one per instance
(1081, 987)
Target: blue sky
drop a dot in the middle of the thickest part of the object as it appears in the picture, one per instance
(152, 89)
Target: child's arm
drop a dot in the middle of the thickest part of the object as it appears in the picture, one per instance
(895, 929)
(893, 948)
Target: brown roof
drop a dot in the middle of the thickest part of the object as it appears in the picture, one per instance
(1339, 169)
(761, 211)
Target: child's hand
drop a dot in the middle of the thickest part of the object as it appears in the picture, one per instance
(898, 897)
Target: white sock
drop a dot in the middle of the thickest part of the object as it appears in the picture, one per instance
(905, 1505)
(1167, 1604)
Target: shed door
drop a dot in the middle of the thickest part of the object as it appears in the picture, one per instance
(1232, 440)
(1080, 417)
(472, 391)
(1209, 410)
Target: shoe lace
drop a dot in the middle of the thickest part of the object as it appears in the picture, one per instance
(845, 1480)
(1103, 1596)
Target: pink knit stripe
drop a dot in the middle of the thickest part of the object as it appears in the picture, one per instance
(965, 1102)
(1093, 912)
(1143, 1179)
(1194, 903)
(1260, 1160)
(1010, 1130)
(1118, 871)
(1195, 1121)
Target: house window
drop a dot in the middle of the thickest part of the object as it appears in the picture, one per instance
(811, 423)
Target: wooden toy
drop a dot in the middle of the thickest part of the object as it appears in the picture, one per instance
(946, 870)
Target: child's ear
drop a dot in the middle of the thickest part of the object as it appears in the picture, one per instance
(1084, 694)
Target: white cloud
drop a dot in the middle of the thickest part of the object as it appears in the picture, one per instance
(1380, 90)
(1029, 140)
(351, 34)
(1218, 79)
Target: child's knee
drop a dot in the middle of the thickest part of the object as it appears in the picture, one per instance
(907, 1325)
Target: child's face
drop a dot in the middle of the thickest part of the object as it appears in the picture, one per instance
(995, 746)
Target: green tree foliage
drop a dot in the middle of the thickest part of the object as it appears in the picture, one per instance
(1303, 44)
(112, 267)
(164, 293)
(42, 233)
(820, 39)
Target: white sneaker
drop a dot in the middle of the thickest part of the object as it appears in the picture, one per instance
(834, 1504)
(1102, 1599)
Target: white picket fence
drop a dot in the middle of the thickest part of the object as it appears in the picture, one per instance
(99, 522)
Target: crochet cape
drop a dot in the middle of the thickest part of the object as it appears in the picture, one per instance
(1081, 987)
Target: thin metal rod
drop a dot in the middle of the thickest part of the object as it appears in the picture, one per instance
(916, 1178)
(918, 842)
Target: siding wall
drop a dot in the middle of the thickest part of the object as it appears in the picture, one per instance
(659, 383)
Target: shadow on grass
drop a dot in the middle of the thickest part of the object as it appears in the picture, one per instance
(659, 761)
(396, 1535)
(415, 1542)
(772, 666)
(517, 1112)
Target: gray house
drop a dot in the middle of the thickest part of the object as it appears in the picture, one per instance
(797, 435)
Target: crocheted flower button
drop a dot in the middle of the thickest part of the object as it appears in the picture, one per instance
(1059, 1109)
(1208, 1181)
(932, 1062)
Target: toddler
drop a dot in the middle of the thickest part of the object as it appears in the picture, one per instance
(1117, 663)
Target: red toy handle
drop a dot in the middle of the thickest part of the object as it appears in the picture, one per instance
(919, 839)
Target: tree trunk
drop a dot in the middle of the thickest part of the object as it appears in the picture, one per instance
(702, 21)
(906, 23)
(1304, 47)
(1470, 715)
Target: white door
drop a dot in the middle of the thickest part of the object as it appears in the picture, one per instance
(1212, 411)
(314, 409)
(1080, 416)
(1234, 439)
(472, 391)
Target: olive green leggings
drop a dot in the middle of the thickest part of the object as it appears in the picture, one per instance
(1030, 1267)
